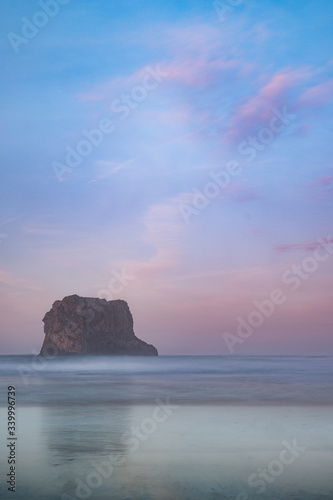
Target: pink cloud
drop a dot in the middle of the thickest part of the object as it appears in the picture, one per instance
(247, 195)
(198, 72)
(200, 62)
(17, 283)
(303, 129)
(257, 110)
(306, 247)
(111, 89)
(190, 71)
(318, 95)
(321, 187)
(325, 181)
(163, 230)
(240, 192)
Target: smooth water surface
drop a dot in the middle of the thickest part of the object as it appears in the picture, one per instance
(183, 427)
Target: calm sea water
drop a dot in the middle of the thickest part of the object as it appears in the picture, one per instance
(171, 427)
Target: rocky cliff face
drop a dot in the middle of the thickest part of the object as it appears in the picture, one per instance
(79, 325)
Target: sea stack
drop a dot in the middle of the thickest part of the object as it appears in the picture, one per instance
(82, 325)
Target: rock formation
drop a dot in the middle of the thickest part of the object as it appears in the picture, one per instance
(80, 325)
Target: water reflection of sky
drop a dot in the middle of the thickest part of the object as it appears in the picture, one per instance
(68, 422)
(197, 449)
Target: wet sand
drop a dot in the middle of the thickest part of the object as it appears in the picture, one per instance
(198, 452)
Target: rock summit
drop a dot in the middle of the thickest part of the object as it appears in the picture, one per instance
(82, 325)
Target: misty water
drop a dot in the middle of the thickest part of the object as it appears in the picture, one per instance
(170, 427)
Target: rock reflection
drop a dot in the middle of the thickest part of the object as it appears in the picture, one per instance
(81, 439)
(73, 430)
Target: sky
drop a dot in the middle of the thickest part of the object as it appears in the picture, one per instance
(176, 155)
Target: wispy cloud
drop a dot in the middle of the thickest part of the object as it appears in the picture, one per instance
(317, 95)
(38, 229)
(8, 279)
(108, 169)
(257, 110)
(11, 220)
(163, 231)
(321, 188)
(305, 247)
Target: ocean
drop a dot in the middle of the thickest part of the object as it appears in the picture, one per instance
(166, 428)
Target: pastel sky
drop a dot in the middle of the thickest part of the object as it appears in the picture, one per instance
(211, 178)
